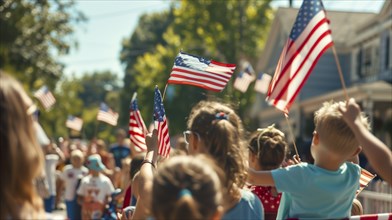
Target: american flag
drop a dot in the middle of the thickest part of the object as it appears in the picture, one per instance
(310, 37)
(106, 114)
(45, 97)
(198, 71)
(137, 128)
(244, 78)
(74, 123)
(262, 83)
(161, 124)
(364, 180)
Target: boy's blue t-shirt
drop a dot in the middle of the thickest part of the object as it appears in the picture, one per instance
(249, 207)
(311, 192)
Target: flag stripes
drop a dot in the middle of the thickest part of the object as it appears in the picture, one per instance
(300, 54)
(137, 128)
(197, 71)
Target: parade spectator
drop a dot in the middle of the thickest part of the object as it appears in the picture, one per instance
(267, 151)
(187, 187)
(94, 190)
(53, 156)
(216, 130)
(326, 189)
(119, 149)
(71, 175)
(21, 158)
(377, 153)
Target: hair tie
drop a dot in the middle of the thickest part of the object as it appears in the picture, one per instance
(221, 115)
(184, 192)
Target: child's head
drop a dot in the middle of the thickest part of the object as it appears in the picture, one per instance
(333, 132)
(77, 158)
(269, 147)
(94, 164)
(216, 129)
(101, 145)
(187, 187)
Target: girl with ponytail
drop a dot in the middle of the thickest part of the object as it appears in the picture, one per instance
(187, 187)
(216, 130)
(267, 150)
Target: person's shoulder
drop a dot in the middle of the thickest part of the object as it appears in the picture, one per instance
(247, 195)
(67, 168)
(352, 167)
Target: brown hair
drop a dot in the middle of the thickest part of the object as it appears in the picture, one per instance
(221, 130)
(186, 187)
(21, 158)
(333, 131)
(270, 147)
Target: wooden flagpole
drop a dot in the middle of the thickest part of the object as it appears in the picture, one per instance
(164, 92)
(292, 135)
(340, 72)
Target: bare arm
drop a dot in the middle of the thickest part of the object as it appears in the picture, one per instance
(262, 178)
(146, 177)
(377, 153)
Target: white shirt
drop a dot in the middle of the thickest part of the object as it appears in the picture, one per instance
(70, 177)
(50, 170)
(95, 189)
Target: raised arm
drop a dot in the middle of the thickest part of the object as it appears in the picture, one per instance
(146, 177)
(377, 153)
(260, 178)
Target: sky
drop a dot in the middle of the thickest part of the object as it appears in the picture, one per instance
(110, 21)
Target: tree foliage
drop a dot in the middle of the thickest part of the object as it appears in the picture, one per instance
(33, 33)
(227, 31)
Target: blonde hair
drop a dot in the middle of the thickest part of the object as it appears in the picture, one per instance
(221, 130)
(77, 154)
(186, 187)
(21, 158)
(270, 147)
(333, 131)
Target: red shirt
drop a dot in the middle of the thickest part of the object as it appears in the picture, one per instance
(267, 197)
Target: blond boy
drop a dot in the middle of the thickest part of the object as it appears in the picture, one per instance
(326, 189)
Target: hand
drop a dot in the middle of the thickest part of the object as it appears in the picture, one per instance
(350, 112)
(152, 141)
(297, 159)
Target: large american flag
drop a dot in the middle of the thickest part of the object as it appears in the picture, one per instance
(310, 37)
(244, 78)
(262, 83)
(161, 125)
(45, 97)
(106, 114)
(137, 128)
(197, 71)
(74, 123)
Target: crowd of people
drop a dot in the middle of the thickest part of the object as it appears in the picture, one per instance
(216, 171)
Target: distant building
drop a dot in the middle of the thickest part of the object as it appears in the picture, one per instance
(364, 47)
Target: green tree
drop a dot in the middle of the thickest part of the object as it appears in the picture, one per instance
(227, 31)
(33, 33)
(144, 39)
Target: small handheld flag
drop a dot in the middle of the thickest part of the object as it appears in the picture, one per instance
(198, 71)
(161, 125)
(137, 128)
(245, 77)
(262, 83)
(74, 123)
(45, 97)
(106, 114)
